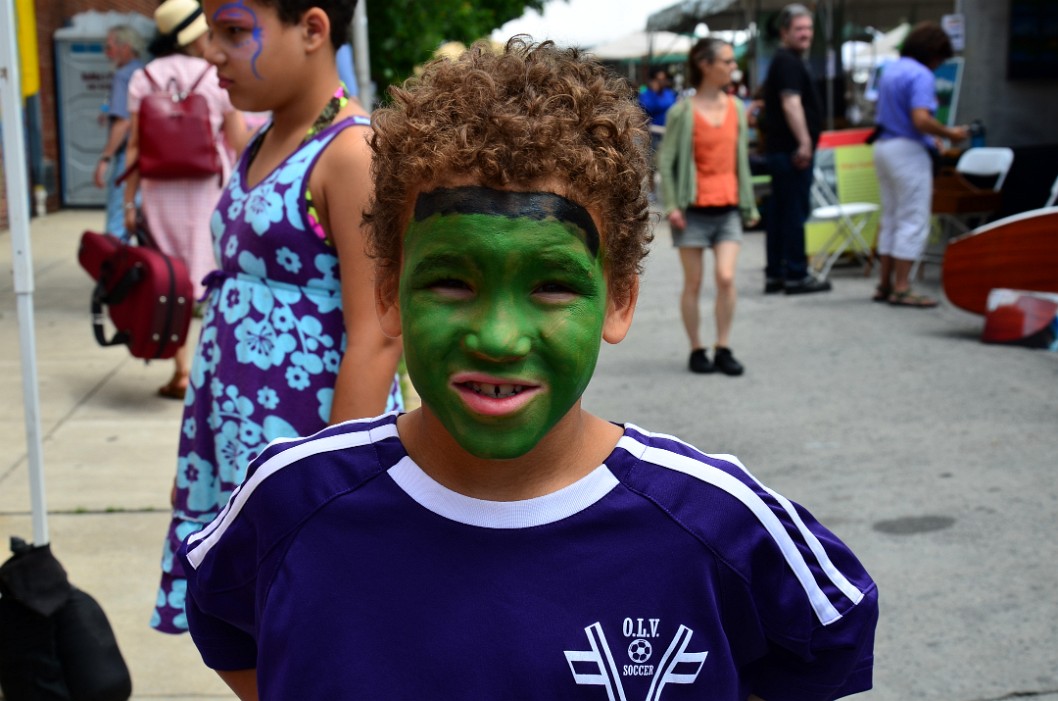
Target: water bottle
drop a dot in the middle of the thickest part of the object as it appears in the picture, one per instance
(40, 200)
(977, 133)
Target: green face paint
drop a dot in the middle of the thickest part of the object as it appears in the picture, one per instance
(502, 316)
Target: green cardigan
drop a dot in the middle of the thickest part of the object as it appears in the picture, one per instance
(675, 161)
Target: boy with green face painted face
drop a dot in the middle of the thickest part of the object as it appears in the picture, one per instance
(500, 541)
(502, 303)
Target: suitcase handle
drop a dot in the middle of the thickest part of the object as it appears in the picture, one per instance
(121, 337)
(101, 296)
(118, 292)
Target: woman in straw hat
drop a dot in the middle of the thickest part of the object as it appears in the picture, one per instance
(177, 211)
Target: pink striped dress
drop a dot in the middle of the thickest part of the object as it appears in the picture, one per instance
(178, 211)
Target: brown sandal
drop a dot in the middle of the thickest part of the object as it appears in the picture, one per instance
(176, 388)
(907, 298)
(881, 294)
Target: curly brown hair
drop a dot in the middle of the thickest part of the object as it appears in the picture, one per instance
(529, 116)
(928, 44)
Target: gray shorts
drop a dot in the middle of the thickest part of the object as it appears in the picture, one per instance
(706, 230)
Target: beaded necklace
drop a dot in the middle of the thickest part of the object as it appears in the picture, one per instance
(334, 105)
(339, 100)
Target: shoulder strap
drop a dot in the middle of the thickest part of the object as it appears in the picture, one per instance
(157, 88)
(151, 80)
(199, 79)
(337, 127)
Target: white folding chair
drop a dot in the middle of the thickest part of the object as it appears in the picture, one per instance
(982, 162)
(986, 161)
(849, 218)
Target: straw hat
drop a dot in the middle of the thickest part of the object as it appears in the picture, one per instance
(183, 15)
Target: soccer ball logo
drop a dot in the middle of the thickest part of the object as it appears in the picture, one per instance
(639, 651)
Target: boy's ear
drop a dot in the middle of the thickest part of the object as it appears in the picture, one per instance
(619, 313)
(387, 305)
(316, 28)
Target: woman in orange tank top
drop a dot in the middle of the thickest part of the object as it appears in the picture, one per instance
(707, 194)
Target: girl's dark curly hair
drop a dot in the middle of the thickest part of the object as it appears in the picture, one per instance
(533, 115)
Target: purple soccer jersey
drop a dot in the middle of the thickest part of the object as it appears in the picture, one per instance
(339, 569)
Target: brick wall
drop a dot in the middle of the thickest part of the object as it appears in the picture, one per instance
(51, 15)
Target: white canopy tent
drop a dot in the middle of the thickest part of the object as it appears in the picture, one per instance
(642, 44)
(867, 55)
(885, 46)
(684, 16)
(22, 259)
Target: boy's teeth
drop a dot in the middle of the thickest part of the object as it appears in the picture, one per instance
(495, 391)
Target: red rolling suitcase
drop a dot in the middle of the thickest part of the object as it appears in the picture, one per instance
(148, 295)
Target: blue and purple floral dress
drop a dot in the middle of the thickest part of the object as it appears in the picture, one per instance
(272, 339)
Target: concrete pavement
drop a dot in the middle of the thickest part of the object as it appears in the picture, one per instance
(931, 454)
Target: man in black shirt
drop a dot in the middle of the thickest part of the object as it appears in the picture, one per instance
(795, 119)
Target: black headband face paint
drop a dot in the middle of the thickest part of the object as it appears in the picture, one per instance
(538, 206)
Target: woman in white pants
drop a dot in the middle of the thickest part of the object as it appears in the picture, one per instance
(906, 131)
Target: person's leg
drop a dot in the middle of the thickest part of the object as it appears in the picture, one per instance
(726, 246)
(913, 178)
(902, 296)
(793, 239)
(115, 222)
(726, 254)
(901, 275)
(798, 279)
(780, 168)
(889, 192)
(691, 259)
(176, 388)
(885, 278)
(912, 222)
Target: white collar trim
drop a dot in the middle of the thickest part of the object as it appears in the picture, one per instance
(539, 511)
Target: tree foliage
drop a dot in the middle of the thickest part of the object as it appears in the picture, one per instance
(405, 33)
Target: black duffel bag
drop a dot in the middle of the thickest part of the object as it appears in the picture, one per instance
(55, 641)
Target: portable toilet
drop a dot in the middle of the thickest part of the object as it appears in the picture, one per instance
(82, 91)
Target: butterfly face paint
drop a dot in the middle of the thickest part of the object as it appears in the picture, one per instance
(240, 32)
(502, 302)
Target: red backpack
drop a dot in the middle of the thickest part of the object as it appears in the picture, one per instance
(176, 138)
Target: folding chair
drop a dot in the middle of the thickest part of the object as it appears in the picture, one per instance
(980, 162)
(960, 204)
(849, 218)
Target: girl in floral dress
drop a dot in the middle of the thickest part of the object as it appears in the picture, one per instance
(290, 341)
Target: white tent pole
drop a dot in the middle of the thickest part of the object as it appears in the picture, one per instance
(362, 56)
(18, 219)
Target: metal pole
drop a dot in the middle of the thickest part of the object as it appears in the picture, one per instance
(22, 260)
(362, 56)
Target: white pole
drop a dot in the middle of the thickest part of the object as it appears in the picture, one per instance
(18, 219)
(362, 56)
